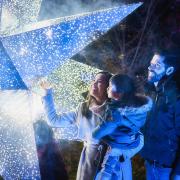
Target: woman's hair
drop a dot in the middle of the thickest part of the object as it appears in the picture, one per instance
(126, 85)
(89, 99)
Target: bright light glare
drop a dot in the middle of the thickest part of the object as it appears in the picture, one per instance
(18, 156)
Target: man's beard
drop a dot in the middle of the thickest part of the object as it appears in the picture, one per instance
(154, 77)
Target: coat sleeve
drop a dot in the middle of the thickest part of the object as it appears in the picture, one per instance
(53, 119)
(177, 126)
(108, 125)
(104, 129)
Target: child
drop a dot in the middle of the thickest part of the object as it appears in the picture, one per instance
(125, 114)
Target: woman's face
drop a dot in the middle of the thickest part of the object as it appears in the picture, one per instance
(98, 87)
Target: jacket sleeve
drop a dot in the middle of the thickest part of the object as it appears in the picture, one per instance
(177, 126)
(53, 119)
(108, 125)
(104, 129)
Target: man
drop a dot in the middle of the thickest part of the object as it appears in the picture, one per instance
(161, 149)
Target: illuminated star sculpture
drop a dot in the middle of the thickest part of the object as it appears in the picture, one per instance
(42, 47)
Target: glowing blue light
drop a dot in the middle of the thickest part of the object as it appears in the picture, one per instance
(46, 45)
(9, 77)
(0, 13)
(17, 13)
(18, 157)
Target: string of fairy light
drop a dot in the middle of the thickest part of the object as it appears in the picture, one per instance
(69, 82)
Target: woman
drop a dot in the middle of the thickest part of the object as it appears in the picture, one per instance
(86, 117)
(124, 116)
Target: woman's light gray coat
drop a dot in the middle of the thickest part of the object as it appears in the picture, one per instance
(86, 167)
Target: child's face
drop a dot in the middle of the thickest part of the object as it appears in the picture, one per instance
(111, 91)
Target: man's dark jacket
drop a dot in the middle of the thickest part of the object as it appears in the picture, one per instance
(162, 128)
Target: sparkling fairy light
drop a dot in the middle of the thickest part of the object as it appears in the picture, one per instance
(47, 50)
(17, 13)
(23, 51)
(9, 76)
(49, 33)
(69, 82)
(18, 157)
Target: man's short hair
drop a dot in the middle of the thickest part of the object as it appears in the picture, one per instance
(171, 59)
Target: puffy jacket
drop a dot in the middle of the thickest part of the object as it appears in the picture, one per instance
(121, 128)
(162, 128)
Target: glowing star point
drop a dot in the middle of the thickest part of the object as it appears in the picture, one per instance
(55, 41)
(49, 33)
(17, 13)
(23, 51)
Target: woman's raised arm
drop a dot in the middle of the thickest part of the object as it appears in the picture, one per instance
(55, 120)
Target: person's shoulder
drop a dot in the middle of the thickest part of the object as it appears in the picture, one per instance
(143, 105)
(142, 100)
(173, 82)
(171, 85)
(172, 90)
(178, 99)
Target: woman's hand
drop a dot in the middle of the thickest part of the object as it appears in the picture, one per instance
(45, 84)
(40, 86)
